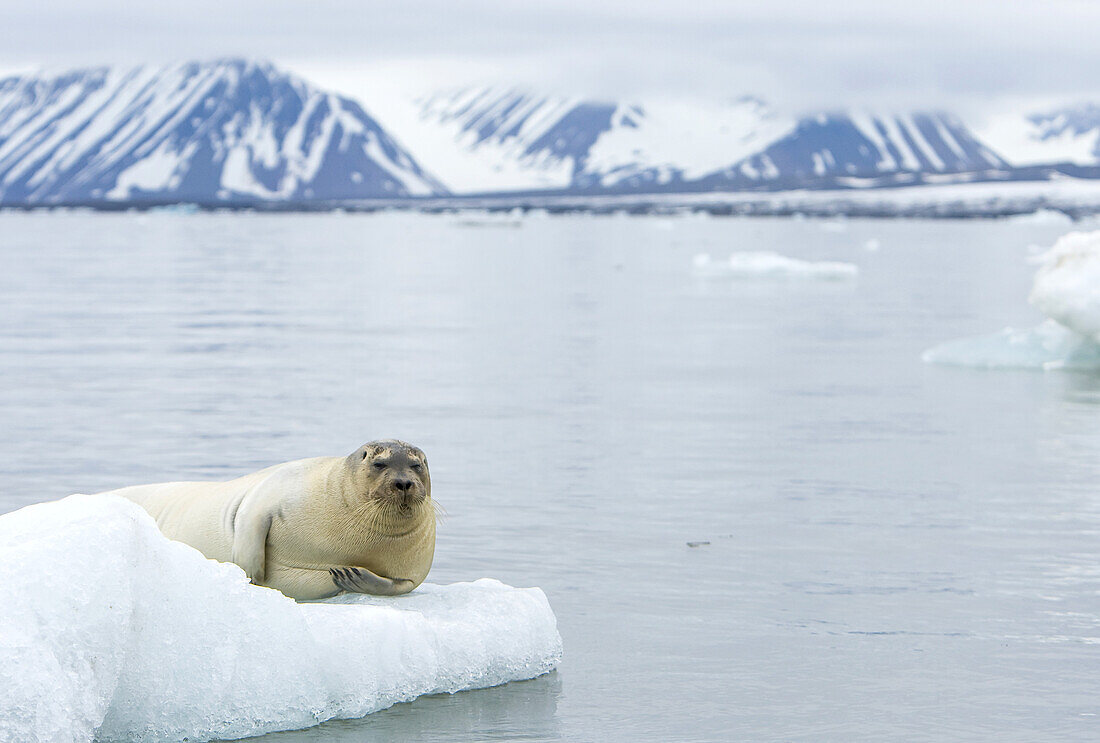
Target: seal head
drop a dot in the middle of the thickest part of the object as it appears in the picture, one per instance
(391, 476)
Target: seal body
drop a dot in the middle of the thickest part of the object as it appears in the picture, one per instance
(313, 527)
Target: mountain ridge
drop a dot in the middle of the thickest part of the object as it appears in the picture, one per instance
(235, 132)
(231, 129)
(736, 145)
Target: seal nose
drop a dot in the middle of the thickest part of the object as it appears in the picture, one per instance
(403, 485)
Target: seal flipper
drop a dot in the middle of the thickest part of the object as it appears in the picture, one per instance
(251, 523)
(252, 516)
(361, 580)
(250, 548)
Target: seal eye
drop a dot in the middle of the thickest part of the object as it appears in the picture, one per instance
(415, 465)
(379, 465)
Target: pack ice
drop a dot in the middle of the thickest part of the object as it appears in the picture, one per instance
(1067, 290)
(109, 631)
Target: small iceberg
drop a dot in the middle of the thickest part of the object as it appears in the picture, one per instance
(1067, 291)
(1067, 286)
(768, 265)
(111, 632)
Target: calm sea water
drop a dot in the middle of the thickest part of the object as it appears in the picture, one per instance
(889, 550)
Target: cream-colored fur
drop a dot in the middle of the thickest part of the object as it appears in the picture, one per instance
(311, 527)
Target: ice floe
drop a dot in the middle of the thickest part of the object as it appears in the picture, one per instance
(1066, 290)
(110, 632)
(768, 265)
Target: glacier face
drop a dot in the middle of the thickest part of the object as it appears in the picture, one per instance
(224, 131)
(109, 631)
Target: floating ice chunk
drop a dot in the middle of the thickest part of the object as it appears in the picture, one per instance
(1067, 286)
(1067, 290)
(1048, 346)
(110, 631)
(769, 265)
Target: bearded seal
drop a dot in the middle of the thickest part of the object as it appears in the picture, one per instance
(311, 528)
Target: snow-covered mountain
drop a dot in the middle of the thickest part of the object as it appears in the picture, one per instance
(227, 131)
(1061, 135)
(486, 139)
(677, 142)
(239, 132)
(499, 139)
(829, 148)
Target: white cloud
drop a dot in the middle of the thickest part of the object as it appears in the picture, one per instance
(798, 53)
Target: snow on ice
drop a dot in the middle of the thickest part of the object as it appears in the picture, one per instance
(109, 631)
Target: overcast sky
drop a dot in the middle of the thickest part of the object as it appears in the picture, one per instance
(794, 53)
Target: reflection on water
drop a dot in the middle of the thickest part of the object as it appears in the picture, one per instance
(883, 549)
(502, 713)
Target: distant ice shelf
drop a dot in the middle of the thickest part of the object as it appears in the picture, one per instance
(768, 265)
(1066, 290)
(110, 632)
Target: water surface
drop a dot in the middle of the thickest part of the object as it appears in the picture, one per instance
(885, 550)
